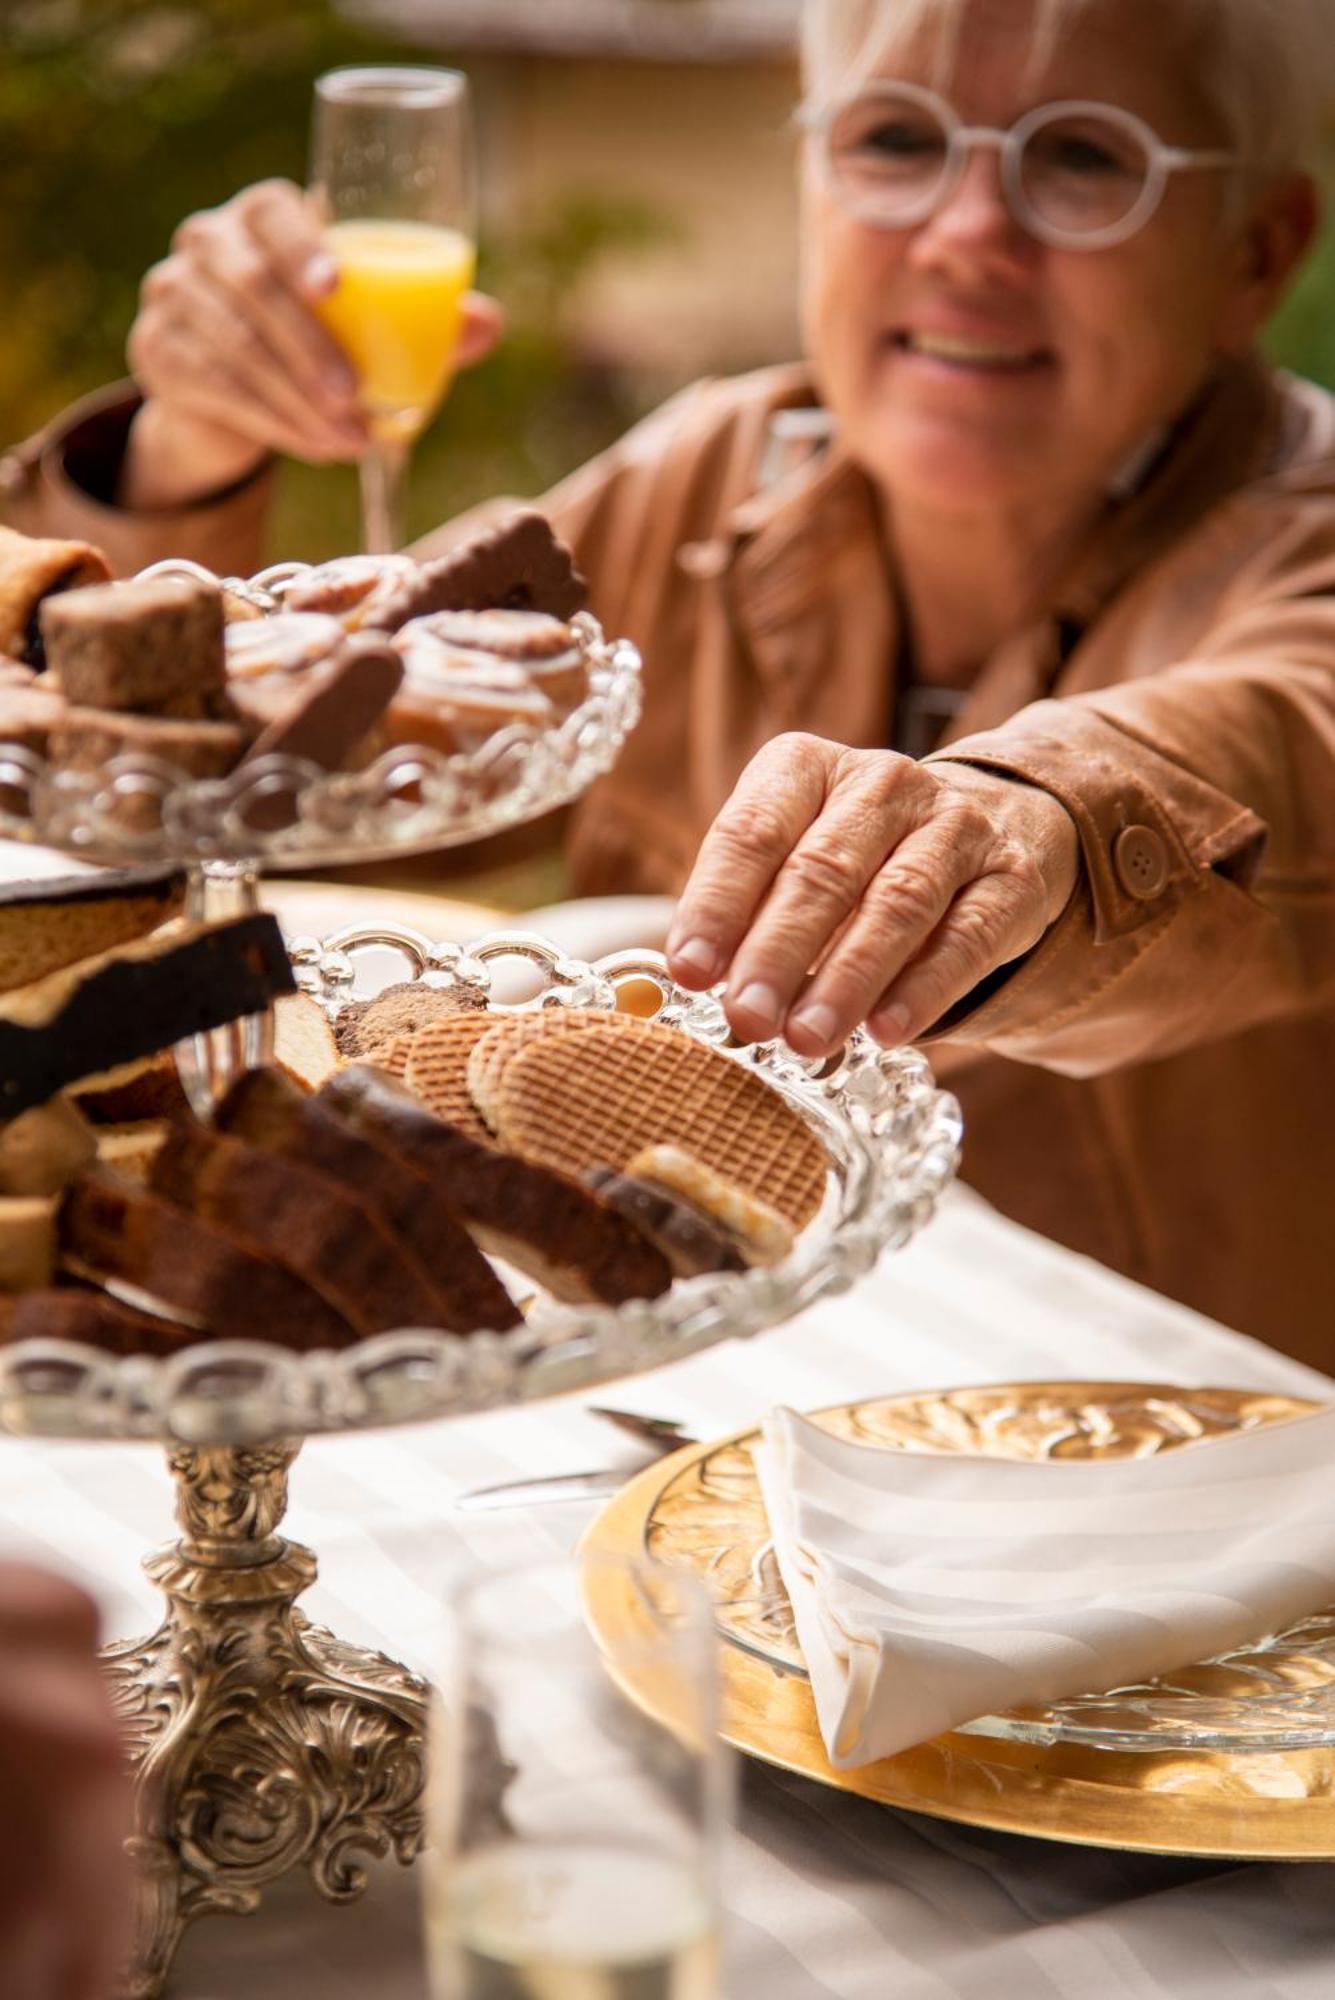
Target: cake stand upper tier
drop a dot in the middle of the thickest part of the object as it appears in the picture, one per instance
(892, 1139)
(284, 812)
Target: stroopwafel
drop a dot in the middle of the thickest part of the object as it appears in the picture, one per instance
(600, 1098)
(487, 1063)
(435, 1068)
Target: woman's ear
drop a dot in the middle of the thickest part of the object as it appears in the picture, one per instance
(1272, 243)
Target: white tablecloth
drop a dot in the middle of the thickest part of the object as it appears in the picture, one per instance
(827, 1895)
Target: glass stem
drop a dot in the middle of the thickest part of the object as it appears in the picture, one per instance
(384, 476)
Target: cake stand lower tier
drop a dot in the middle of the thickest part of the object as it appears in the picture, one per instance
(259, 1742)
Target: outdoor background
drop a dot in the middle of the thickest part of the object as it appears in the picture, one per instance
(638, 216)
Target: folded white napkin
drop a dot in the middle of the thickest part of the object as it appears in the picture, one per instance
(931, 1589)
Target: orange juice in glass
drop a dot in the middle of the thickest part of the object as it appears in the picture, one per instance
(397, 313)
(392, 171)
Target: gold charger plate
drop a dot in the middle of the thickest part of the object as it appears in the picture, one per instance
(701, 1508)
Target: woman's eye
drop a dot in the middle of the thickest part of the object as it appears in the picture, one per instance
(1082, 156)
(900, 142)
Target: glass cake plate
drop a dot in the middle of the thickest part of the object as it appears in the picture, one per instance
(259, 1741)
(282, 812)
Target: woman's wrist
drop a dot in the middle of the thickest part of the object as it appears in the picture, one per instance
(173, 459)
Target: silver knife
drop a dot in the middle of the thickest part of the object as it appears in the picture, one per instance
(556, 1486)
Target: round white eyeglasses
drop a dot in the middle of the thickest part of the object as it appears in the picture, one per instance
(1077, 174)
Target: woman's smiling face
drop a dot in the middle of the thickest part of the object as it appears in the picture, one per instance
(971, 365)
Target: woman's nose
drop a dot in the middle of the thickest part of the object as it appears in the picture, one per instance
(975, 216)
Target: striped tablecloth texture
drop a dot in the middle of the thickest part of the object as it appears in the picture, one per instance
(829, 1897)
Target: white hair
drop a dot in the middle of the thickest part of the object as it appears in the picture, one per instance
(1265, 67)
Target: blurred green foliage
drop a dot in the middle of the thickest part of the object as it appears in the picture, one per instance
(117, 117)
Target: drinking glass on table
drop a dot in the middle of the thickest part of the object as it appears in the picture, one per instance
(392, 169)
(575, 1831)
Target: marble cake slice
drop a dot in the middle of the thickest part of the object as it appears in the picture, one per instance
(546, 1225)
(134, 1001)
(309, 1222)
(269, 1111)
(110, 1230)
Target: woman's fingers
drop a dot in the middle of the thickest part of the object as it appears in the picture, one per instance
(231, 397)
(898, 913)
(272, 323)
(483, 325)
(990, 923)
(781, 792)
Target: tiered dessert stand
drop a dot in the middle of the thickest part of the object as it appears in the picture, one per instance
(261, 1742)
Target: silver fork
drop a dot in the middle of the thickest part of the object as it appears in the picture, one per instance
(662, 1434)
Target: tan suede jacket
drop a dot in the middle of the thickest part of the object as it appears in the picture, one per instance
(1155, 1083)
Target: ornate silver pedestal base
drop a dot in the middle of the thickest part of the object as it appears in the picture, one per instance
(258, 1740)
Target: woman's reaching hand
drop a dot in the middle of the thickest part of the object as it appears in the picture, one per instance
(844, 886)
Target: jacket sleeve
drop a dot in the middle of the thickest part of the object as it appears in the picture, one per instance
(1204, 796)
(63, 482)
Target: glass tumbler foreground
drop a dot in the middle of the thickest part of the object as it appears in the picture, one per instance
(575, 1833)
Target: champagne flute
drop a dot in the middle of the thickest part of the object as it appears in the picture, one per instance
(575, 1831)
(392, 171)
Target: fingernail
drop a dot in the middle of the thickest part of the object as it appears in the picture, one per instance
(762, 1004)
(340, 380)
(818, 1021)
(321, 274)
(696, 955)
(890, 1024)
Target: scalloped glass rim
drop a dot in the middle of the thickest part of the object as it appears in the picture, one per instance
(894, 1144)
(410, 797)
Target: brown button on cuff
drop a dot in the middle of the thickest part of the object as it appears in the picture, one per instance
(1140, 858)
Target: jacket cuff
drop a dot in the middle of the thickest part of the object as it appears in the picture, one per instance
(63, 483)
(1148, 827)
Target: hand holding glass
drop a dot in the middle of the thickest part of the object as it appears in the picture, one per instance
(392, 170)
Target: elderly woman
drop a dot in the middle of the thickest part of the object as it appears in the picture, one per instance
(991, 655)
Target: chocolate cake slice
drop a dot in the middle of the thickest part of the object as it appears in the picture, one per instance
(110, 1230)
(535, 1218)
(111, 1009)
(93, 1318)
(269, 1111)
(306, 1220)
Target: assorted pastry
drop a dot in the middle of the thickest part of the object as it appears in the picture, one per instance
(363, 654)
(417, 1162)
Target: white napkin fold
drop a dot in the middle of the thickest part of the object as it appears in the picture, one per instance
(931, 1589)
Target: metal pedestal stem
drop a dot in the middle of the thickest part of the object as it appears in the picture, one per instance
(259, 1741)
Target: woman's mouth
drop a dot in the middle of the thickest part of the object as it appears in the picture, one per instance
(970, 352)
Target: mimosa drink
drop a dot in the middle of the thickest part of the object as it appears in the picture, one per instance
(397, 313)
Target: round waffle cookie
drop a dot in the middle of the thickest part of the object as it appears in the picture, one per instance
(436, 1069)
(487, 1063)
(599, 1098)
(394, 1057)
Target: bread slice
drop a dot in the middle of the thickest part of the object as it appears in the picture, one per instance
(130, 1150)
(536, 1219)
(72, 1312)
(111, 1230)
(267, 1110)
(27, 1241)
(134, 1001)
(305, 1219)
(304, 1045)
(44, 1149)
(47, 925)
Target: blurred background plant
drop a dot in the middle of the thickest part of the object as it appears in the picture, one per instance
(639, 250)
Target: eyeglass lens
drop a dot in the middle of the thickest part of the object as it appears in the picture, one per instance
(1077, 172)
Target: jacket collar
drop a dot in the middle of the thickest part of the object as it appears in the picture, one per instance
(809, 573)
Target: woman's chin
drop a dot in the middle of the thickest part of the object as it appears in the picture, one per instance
(951, 476)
